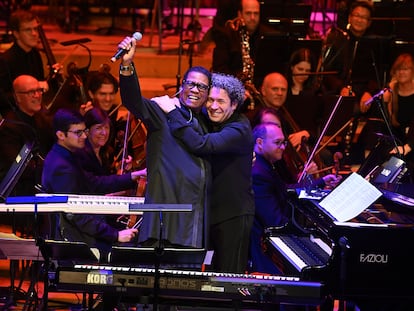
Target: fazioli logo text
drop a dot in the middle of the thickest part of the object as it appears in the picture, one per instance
(373, 258)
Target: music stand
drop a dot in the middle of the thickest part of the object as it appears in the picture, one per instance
(291, 18)
(157, 252)
(271, 56)
(15, 248)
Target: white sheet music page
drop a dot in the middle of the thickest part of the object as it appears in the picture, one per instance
(350, 198)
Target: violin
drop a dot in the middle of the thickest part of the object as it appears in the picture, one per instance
(295, 159)
(132, 221)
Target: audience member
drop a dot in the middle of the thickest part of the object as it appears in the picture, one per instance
(175, 175)
(229, 146)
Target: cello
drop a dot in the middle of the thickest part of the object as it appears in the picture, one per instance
(54, 79)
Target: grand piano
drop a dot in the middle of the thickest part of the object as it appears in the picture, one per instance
(367, 260)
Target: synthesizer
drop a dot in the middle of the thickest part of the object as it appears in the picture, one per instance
(73, 203)
(135, 281)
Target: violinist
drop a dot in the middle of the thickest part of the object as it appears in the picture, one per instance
(95, 157)
(274, 93)
(101, 89)
(23, 57)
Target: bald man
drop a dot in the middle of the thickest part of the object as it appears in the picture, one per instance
(27, 123)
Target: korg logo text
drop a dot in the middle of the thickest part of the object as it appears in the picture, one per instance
(99, 278)
(373, 258)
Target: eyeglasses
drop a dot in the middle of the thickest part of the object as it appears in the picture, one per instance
(32, 92)
(361, 16)
(79, 133)
(280, 144)
(200, 86)
(30, 29)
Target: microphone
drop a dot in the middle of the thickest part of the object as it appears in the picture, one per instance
(137, 36)
(376, 96)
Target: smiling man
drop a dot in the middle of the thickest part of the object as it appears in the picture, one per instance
(229, 146)
(23, 57)
(174, 175)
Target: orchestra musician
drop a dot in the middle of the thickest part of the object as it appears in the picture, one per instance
(301, 63)
(63, 173)
(95, 157)
(102, 87)
(399, 102)
(23, 57)
(270, 191)
(339, 52)
(234, 51)
(28, 123)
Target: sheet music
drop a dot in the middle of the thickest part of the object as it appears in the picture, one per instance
(350, 198)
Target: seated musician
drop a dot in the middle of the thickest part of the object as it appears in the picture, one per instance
(26, 123)
(95, 157)
(270, 191)
(62, 173)
(102, 88)
(401, 109)
(301, 64)
(274, 92)
(23, 57)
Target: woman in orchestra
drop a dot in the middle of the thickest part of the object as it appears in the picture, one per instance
(401, 106)
(301, 63)
(102, 88)
(95, 157)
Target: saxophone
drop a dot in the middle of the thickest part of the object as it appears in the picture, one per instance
(247, 73)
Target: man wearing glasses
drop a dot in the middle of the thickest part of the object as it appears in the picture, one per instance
(27, 123)
(270, 191)
(174, 174)
(22, 57)
(229, 146)
(62, 173)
